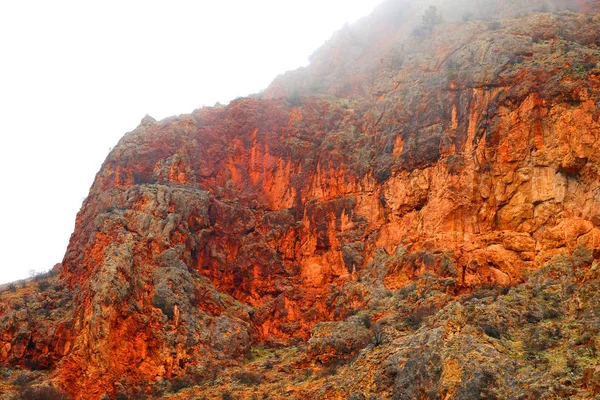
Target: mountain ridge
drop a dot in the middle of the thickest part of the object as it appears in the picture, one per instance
(344, 218)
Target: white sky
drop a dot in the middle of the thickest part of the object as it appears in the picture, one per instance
(76, 75)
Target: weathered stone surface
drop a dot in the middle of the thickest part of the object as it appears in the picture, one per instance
(393, 165)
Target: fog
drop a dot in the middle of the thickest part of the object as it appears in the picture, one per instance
(75, 76)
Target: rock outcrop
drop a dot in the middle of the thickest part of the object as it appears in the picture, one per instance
(463, 158)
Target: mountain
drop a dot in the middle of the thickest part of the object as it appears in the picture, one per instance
(415, 215)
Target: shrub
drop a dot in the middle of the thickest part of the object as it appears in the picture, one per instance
(491, 331)
(163, 299)
(455, 162)
(541, 339)
(329, 371)
(479, 386)
(415, 319)
(494, 26)
(39, 276)
(121, 396)
(249, 378)
(377, 335)
(42, 393)
(11, 287)
(448, 266)
(306, 374)
(294, 99)
(268, 364)
(585, 338)
(572, 364)
(125, 390)
(357, 396)
(226, 395)
(366, 320)
(43, 285)
(543, 8)
(420, 258)
(180, 383)
(23, 379)
(206, 373)
(486, 291)
(582, 256)
(419, 31)
(431, 18)
(33, 364)
(428, 258)
(551, 313)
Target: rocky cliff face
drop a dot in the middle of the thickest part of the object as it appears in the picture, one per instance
(392, 177)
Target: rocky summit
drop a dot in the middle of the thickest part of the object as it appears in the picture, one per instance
(414, 215)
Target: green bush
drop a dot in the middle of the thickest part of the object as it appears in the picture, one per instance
(430, 19)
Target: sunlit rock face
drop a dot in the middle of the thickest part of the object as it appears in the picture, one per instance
(390, 155)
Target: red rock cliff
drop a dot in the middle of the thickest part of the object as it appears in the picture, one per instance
(234, 225)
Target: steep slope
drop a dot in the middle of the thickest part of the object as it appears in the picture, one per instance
(389, 179)
(346, 65)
